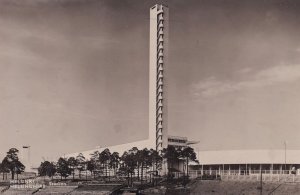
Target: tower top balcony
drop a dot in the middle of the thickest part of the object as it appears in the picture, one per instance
(160, 11)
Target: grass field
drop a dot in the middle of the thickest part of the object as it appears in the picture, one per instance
(242, 188)
(198, 187)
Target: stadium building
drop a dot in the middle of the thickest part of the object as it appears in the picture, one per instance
(246, 162)
(222, 162)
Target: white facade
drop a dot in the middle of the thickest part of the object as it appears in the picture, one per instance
(158, 60)
(249, 157)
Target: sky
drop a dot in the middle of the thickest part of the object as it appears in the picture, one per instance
(74, 74)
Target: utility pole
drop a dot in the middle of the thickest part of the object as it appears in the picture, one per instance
(261, 184)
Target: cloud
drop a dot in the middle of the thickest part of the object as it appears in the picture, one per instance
(212, 86)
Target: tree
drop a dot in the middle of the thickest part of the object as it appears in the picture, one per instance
(91, 166)
(80, 163)
(104, 158)
(156, 161)
(72, 163)
(12, 163)
(95, 156)
(47, 169)
(19, 168)
(189, 154)
(128, 164)
(114, 161)
(134, 154)
(4, 170)
(172, 155)
(95, 161)
(144, 160)
(63, 168)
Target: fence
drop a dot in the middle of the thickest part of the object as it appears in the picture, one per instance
(249, 175)
(7, 176)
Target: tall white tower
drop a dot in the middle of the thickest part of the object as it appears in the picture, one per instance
(158, 60)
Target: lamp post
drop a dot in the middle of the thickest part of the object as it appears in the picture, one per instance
(284, 155)
(26, 158)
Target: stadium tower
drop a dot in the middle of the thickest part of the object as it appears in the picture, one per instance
(158, 137)
(158, 59)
